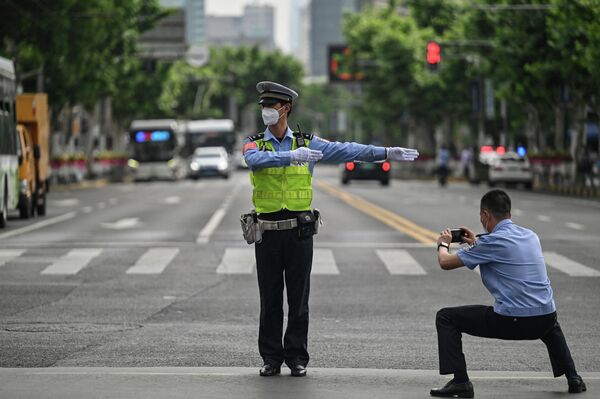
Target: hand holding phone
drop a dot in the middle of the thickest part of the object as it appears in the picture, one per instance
(457, 235)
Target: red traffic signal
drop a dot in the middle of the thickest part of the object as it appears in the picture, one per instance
(434, 54)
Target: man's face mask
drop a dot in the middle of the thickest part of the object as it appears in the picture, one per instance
(271, 115)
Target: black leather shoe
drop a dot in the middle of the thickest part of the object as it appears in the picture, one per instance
(454, 390)
(298, 370)
(269, 371)
(576, 385)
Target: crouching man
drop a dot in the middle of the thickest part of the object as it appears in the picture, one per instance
(513, 270)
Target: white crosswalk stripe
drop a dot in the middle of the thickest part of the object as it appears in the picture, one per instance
(72, 262)
(154, 261)
(399, 261)
(568, 266)
(237, 261)
(9, 254)
(324, 262)
(240, 261)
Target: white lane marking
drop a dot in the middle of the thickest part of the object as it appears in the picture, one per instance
(113, 201)
(544, 218)
(72, 262)
(215, 220)
(517, 212)
(154, 261)
(7, 255)
(400, 262)
(65, 202)
(237, 261)
(324, 263)
(574, 226)
(174, 200)
(122, 224)
(38, 225)
(569, 266)
(87, 209)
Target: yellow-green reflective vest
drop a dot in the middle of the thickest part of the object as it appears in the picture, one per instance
(284, 187)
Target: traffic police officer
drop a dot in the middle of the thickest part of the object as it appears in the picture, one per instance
(281, 164)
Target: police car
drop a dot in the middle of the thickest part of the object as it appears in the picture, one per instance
(510, 168)
(367, 171)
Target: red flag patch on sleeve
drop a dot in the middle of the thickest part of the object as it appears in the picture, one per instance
(249, 146)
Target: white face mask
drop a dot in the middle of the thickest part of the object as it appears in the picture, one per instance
(271, 116)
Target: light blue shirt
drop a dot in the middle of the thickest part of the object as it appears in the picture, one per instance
(513, 270)
(333, 152)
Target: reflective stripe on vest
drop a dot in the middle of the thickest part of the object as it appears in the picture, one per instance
(285, 187)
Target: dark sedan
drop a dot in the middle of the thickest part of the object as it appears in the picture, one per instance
(367, 171)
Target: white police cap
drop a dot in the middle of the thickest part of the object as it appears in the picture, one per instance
(272, 93)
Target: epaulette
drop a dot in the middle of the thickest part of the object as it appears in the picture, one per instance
(306, 136)
(258, 136)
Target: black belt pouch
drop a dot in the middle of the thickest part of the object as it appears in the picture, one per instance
(306, 224)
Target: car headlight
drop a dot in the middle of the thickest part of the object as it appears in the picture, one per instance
(172, 163)
(222, 165)
(195, 166)
(132, 163)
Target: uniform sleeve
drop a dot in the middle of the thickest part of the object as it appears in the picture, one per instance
(256, 159)
(481, 253)
(337, 152)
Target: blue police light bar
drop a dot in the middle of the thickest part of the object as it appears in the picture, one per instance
(160, 135)
(154, 136)
(521, 151)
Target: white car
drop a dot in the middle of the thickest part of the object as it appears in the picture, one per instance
(510, 168)
(209, 161)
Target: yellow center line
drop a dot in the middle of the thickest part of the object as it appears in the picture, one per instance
(385, 216)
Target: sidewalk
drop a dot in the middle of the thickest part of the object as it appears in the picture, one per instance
(216, 383)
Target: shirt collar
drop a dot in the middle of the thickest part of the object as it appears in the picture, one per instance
(501, 223)
(269, 135)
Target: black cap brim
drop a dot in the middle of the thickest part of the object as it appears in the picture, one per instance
(270, 101)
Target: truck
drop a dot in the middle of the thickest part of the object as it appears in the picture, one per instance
(34, 170)
(9, 161)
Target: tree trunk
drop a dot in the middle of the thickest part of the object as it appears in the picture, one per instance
(531, 128)
(559, 127)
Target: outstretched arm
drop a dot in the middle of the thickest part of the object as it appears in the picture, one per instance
(337, 152)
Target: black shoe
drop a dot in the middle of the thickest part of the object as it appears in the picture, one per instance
(298, 370)
(454, 390)
(269, 371)
(576, 385)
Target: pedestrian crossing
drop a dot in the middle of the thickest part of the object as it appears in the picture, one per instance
(240, 261)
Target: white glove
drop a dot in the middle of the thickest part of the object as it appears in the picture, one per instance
(304, 154)
(401, 154)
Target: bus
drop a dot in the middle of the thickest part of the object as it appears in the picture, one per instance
(156, 146)
(210, 133)
(9, 150)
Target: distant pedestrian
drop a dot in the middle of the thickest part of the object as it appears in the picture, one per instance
(512, 268)
(466, 157)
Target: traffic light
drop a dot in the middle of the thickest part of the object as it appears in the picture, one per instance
(434, 55)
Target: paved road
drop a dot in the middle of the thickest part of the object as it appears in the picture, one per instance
(157, 274)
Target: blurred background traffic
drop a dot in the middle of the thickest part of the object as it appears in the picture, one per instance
(491, 91)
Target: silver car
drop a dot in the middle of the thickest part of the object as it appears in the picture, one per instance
(209, 161)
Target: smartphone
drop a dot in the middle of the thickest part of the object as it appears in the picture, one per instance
(457, 235)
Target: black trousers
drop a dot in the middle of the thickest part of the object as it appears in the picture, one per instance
(482, 321)
(284, 258)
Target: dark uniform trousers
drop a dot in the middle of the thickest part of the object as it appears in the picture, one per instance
(482, 321)
(283, 256)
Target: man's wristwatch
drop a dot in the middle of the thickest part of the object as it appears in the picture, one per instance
(443, 244)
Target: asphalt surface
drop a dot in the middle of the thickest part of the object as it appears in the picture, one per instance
(176, 310)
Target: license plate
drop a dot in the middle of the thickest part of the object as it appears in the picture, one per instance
(368, 166)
